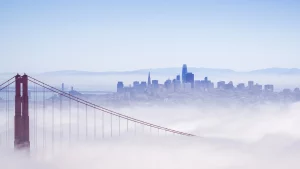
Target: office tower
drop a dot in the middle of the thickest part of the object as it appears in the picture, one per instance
(120, 87)
(149, 79)
(178, 77)
(229, 86)
(184, 72)
(143, 85)
(155, 84)
(258, 87)
(168, 83)
(189, 78)
(269, 88)
(250, 85)
(241, 86)
(136, 84)
(197, 84)
(221, 85)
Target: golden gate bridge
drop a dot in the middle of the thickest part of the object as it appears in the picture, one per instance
(33, 118)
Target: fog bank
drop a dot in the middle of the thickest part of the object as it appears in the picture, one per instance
(265, 137)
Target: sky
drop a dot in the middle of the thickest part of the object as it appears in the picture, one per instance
(118, 35)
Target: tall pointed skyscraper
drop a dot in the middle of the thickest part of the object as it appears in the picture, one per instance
(184, 72)
(149, 79)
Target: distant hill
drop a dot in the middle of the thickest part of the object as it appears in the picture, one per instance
(163, 71)
(277, 71)
(177, 70)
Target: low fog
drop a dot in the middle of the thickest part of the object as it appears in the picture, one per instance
(227, 138)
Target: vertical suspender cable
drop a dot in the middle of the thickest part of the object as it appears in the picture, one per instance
(8, 110)
(95, 125)
(44, 134)
(6, 124)
(77, 120)
(111, 132)
(86, 122)
(60, 119)
(143, 128)
(127, 125)
(52, 122)
(134, 128)
(102, 124)
(36, 116)
(70, 118)
(119, 126)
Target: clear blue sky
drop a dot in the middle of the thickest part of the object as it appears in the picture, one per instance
(39, 36)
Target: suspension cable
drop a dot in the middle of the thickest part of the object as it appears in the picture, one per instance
(8, 80)
(111, 112)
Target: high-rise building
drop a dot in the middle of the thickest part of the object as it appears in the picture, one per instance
(189, 78)
(149, 79)
(120, 87)
(155, 84)
(143, 85)
(241, 86)
(184, 72)
(136, 84)
(250, 85)
(269, 88)
(229, 86)
(168, 83)
(221, 85)
(178, 77)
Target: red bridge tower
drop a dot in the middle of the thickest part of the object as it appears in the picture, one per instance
(21, 113)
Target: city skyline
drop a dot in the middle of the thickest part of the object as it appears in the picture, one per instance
(187, 80)
(204, 92)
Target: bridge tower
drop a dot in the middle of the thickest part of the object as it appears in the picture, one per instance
(21, 113)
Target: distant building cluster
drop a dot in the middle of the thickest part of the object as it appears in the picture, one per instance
(188, 83)
(185, 83)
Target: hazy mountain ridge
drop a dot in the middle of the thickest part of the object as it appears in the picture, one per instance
(277, 71)
(174, 70)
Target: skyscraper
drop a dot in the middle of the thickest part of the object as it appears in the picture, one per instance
(190, 79)
(155, 84)
(120, 87)
(184, 72)
(178, 77)
(149, 79)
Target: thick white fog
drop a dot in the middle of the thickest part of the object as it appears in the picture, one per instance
(227, 138)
